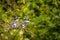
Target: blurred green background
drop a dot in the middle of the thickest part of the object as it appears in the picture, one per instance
(44, 16)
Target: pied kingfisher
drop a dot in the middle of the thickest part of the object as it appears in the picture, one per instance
(14, 23)
(22, 25)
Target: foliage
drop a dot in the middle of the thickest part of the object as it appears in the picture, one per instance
(44, 16)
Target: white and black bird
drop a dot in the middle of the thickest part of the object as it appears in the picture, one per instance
(22, 25)
(14, 23)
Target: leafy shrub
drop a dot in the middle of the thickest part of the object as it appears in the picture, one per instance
(44, 16)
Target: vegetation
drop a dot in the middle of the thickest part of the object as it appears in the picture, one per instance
(44, 16)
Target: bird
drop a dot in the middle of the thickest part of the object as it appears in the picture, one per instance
(22, 25)
(14, 23)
